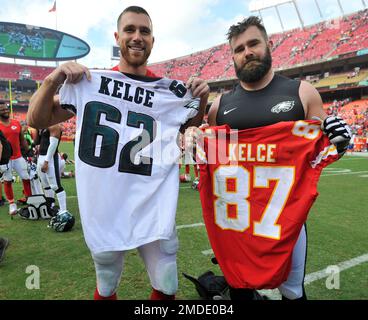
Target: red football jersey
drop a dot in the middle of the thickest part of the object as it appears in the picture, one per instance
(12, 134)
(256, 188)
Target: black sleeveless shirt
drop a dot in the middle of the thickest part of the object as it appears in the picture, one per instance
(278, 101)
(44, 138)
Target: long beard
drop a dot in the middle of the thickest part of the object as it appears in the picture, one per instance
(254, 71)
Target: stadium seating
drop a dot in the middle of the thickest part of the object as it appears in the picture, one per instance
(217, 63)
(15, 71)
(340, 79)
(314, 43)
(355, 113)
(322, 41)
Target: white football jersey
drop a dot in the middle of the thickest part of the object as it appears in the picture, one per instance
(126, 156)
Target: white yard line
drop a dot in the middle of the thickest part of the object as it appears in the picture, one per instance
(311, 277)
(207, 252)
(321, 274)
(341, 173)
(349, 159)
(184, 226)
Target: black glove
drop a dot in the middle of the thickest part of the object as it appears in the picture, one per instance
(338, 132)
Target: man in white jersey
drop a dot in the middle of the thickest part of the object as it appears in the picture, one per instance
(126, 123)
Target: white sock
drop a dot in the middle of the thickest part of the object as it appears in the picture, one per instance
(61, 196)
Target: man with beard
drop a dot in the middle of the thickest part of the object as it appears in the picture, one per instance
(123, 102)
(12, 131)
(263, 98)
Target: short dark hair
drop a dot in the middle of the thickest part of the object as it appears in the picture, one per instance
(134, 9)
(242, 26)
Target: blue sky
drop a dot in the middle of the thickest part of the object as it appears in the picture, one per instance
(180, 27)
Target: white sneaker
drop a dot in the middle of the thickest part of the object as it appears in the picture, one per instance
(12, 209)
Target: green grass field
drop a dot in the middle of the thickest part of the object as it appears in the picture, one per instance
(48, 51)
(337, 232)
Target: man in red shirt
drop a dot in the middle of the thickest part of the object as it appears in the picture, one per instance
(12, 131)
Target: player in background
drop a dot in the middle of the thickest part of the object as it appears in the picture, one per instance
(64, 160)
(262, 98)
(186, 160)
(29, 139)
(48, 165)
(135, 39)
(2, 198)
(12, 130)
(186, 177)
(31, 158)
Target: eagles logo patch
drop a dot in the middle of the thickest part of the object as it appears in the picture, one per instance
(284, 106)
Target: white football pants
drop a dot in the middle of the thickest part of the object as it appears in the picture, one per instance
(293, 287)
(159, 258)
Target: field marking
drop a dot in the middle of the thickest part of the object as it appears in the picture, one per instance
(336, 170)
(274, 294)
(342, 173)
(318, 275)
(350, 159)
(207, 252)
(194, 225)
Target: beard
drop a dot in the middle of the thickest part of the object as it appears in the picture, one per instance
(4, 116)
(135, 61)
(254, 69)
